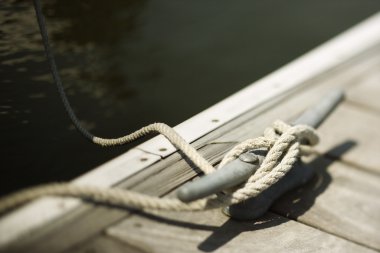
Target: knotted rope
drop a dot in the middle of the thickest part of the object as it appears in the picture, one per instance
(282, 141)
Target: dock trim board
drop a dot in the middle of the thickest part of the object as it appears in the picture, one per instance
(331, 54)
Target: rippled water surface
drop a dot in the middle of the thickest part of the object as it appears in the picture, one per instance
(128, 63)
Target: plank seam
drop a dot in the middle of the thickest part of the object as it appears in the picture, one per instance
(371, 109)
(334, 159)
(351, 164)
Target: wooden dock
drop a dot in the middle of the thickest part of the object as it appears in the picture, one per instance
(337, 211)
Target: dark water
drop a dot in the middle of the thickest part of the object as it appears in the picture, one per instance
(129, 63)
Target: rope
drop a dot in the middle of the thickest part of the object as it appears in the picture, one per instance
(161, 128)
(282, 141)
(58, 82)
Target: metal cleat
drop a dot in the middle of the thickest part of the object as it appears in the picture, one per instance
(238, 171)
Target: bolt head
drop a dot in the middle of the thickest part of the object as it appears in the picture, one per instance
(249, 157)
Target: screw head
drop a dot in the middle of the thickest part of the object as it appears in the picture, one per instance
(249, 157)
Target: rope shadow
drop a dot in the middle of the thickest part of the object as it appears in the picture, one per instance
(233, 228)
(301, 200)
(298, 201)
(220, 234)
(292, 205)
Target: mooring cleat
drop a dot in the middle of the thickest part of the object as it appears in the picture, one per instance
(239, 170)
(255, 207)
(233, 174)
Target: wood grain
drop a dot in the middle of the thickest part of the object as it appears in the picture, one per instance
(354, 124)
(212, 231)
(107, 244)
(340, 200)
(367, 92)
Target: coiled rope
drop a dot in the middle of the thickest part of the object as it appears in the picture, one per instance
(282, 141)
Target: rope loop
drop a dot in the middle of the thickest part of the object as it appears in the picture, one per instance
(284, 144)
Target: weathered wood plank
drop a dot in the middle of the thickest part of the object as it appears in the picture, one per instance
(105, 244)
(212, 231)
(367, 93)
(340, 200)
(355, 124)
(90, 219)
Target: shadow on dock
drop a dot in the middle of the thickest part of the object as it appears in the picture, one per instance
(300, 201)
(290, 206)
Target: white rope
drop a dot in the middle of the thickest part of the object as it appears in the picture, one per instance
(282, 141)
(170, 134)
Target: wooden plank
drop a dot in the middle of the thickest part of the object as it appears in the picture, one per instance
(357, 125)
(180, 171)
(340, 200)
(89, 221)
(349, 207)
(106, 243)
(367, 92)
(334, 53)
(212, 231)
